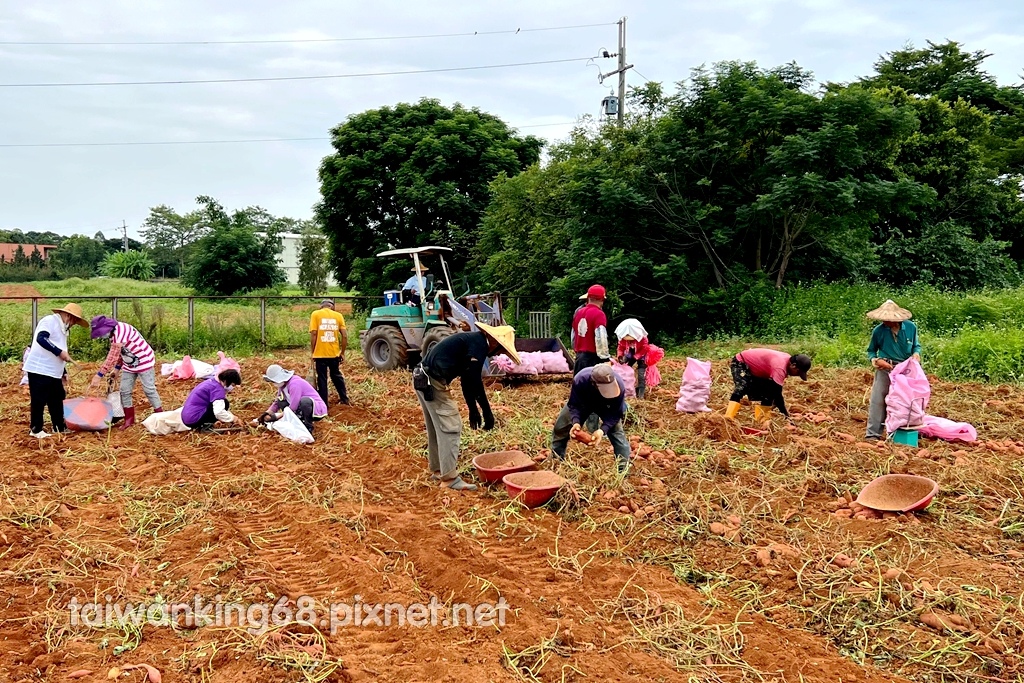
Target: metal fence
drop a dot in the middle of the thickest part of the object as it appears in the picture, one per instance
(183, 323)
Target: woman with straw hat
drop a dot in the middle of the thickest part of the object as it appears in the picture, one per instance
(46, 367)
(458, 356)
(893, 341)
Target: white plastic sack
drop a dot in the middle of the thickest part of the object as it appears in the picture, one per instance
(167, 369)
(114, 399)
(696, 387)
(203, 370)
(291, 428)
(166, 422)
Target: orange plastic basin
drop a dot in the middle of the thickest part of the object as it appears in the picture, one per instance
(899, 493)
(491, 467)
(533, 489)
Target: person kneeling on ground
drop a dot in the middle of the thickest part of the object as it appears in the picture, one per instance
(595, 391)
(208, 402)
(759, 375)
(293, 392)
(460, 356)
(130, 355)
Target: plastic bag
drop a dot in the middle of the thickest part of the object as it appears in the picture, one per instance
(89, 414)
(909, 393)
(114, 399)
(696, 387)
(291, 428)
(225, 363)
(554, 362)
(167, 369)
(947, 430)
(654, 354)
(653, 376)
(627, 376)
(166, 422)
(503, 362)
(183, 369)
(202, 370)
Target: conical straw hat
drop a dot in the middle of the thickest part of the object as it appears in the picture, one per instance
(505, 335)
(889, 312)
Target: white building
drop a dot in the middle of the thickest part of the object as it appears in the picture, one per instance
(288, 259)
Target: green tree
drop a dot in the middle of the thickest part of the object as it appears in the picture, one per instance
(313, 263)
(171, 236)
(238, 254)
(134, 265)
(412, 175)
(78, 256)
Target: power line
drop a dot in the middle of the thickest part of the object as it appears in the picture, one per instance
(275, 41)
(215, 142)
(294, 78)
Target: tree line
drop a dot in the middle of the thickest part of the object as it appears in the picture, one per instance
(211, 250)
(711, 199)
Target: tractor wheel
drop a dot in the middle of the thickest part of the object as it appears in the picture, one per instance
(435, 335)
(385, 348)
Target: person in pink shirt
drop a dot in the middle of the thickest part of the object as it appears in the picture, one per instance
(759, 374)
(292, 392)
(132, 355)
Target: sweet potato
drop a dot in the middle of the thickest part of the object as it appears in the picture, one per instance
(81, 673)
(582, 436)
(718, 528)
(843, 561)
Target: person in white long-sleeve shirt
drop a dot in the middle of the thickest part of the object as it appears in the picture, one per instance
(45, 367)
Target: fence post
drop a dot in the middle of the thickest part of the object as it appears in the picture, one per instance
(113, 307)
(35, 314)
(263, 322)
(191, 321)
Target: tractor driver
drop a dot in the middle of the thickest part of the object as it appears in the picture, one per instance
(411, 289)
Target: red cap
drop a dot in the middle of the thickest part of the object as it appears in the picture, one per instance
(595, 292)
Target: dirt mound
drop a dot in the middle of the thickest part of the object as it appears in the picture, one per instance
(19, 290)
(717, 427)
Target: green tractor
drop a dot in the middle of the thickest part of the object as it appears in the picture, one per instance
(424, 311)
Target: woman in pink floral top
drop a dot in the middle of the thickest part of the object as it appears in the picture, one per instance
(132, 355)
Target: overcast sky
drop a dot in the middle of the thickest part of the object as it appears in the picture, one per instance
(86, 189)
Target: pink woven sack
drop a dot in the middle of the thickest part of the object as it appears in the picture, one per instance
(696, 387)
(909, 393)
(627, 376)
(947, 430)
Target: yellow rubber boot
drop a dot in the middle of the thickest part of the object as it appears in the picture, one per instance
(762, 414)
(732, 410)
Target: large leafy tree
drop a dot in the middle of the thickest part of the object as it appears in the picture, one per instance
(949, 73)
(171, 236)
(238, 253)
(412, 175)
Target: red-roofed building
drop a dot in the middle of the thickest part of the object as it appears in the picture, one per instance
(7, 250)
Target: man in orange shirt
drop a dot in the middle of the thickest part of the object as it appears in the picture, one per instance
(328, 341)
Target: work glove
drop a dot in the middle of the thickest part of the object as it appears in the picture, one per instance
(474, 419)
(489, 422)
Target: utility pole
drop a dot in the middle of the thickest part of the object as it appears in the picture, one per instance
(621, 70)
(124, 232)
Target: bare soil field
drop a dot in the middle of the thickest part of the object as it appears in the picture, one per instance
(721, 557)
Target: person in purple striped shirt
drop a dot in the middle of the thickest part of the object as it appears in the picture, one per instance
(133, 357)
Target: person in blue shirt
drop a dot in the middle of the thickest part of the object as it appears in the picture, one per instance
(893, 341)
(411, 288)
(596, 391)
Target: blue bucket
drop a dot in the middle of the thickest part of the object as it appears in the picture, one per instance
(392, 297)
